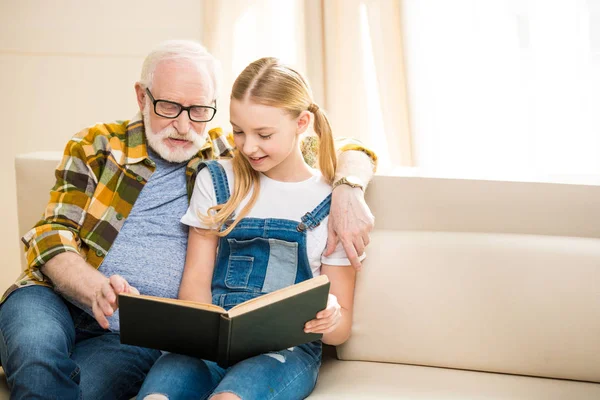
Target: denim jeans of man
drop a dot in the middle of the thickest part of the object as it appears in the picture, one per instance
(51, 349)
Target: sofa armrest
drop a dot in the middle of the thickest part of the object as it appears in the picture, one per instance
(34, 177)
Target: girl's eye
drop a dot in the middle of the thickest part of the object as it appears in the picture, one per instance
(237, 132)
(266, 136)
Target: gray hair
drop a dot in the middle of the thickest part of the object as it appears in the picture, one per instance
(182, 50)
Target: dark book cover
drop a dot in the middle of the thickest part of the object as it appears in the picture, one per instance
(271, 322)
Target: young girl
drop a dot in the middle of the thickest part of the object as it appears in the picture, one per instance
(268, 234)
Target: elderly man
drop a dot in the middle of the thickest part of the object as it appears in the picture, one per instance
(112, 225)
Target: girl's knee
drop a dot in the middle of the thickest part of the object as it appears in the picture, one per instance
(225, 396)
(155, 396)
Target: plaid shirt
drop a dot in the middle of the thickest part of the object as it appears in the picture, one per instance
(99, 178)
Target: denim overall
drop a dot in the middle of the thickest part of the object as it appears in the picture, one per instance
(258, 256)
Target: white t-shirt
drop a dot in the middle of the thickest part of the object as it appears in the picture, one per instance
(283, 200)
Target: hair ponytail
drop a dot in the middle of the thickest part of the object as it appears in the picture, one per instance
(327, 156)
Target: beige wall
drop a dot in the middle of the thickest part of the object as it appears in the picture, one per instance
(67, 64)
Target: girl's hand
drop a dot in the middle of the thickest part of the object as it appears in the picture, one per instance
(105, 299)
(328, 319)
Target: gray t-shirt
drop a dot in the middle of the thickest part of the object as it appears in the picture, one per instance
(149, 251)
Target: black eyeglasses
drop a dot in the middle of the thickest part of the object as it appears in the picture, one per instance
(171, 110)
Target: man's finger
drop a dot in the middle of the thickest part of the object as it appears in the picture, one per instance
(332, 239)
(99, 316)
(108, 298)
(103, 304)
(351, 253)
(108, 292)
(366, 238)
(359, 246)
(118, 283)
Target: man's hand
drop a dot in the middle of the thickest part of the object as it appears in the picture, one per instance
(105, 301)
(350, 220)
(328, 319)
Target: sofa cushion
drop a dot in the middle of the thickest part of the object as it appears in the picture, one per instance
(514, 303)
(369, 380)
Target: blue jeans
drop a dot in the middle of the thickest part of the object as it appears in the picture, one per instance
(51, 349)
(282, 375)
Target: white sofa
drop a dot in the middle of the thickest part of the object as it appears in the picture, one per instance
(471, 290)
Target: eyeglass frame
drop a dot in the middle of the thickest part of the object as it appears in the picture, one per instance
(181, 108)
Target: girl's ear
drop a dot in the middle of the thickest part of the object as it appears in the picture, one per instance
(303, 122)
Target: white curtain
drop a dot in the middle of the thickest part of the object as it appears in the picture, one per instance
(350, 50)
(364, 76)
(505, 89)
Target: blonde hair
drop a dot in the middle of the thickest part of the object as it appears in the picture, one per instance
(266, 81)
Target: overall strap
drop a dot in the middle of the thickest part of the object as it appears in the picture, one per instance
(219, 178)
(312, 219)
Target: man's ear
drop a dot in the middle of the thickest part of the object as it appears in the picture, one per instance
(303, 122)
(140, 94)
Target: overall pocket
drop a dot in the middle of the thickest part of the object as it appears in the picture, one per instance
(245, 260)
(238, 271)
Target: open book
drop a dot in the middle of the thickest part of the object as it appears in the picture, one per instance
(271, 322)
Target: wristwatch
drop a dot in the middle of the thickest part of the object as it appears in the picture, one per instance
(351, 181)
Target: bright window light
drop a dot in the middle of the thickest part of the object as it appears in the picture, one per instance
(505, 89)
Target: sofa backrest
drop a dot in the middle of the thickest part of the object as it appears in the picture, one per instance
(481, 275)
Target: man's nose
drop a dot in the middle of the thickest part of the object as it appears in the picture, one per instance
(182, 123)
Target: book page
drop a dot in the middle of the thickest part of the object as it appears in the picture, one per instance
(278, 295)
(184, 303)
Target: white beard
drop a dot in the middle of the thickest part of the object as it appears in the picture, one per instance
(176, 155)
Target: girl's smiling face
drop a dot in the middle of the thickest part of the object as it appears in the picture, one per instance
(268, 137)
